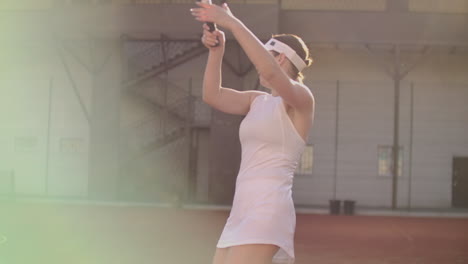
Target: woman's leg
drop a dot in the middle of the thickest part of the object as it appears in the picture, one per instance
(251, 254)
(220, 255)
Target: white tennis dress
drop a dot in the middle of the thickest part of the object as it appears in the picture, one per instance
(263, 210)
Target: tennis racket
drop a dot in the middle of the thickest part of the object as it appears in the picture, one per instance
(211, 25)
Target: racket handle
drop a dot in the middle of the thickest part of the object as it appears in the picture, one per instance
(211, 25)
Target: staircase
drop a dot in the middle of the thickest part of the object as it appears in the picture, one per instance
(151, 58)
(156, 147)
(165, 126)
(175, 111)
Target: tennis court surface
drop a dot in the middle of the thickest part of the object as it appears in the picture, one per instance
(58, 233)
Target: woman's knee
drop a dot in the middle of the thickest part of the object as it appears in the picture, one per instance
(251, 254)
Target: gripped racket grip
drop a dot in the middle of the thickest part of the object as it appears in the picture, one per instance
(211, 25)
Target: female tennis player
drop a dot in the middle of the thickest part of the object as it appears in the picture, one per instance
(261, 225)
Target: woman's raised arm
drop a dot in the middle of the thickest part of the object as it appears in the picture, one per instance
(223, 99)
(295, 95)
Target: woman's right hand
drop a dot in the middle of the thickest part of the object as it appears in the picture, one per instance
(211, 39)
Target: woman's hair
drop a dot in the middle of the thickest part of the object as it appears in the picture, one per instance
(298, 45)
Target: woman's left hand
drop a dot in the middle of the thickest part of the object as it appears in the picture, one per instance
(221, 15)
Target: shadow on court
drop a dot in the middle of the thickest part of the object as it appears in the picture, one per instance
(51, 233)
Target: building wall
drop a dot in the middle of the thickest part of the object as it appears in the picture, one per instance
(366, 110)
(440, 89)
(33, 81)
(440, 134)
(31, 66)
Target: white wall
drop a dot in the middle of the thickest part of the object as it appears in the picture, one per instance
(34, 71)
(30, 61)
(366, 121)
(441, 133)
(24, 114)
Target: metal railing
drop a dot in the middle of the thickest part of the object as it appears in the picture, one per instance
(155, 128)
(191, 1)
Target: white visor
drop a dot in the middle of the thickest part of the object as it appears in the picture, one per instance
(278, 46)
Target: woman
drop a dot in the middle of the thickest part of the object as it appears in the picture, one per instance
(273, 135)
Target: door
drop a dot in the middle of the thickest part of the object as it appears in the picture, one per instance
(460, 182)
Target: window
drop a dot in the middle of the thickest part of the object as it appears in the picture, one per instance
(386, 160)
(71, 145)
(306, 162)
(26, 144)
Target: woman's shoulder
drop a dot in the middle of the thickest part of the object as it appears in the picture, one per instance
(257, 94)
(300, 84)
(305, 92)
